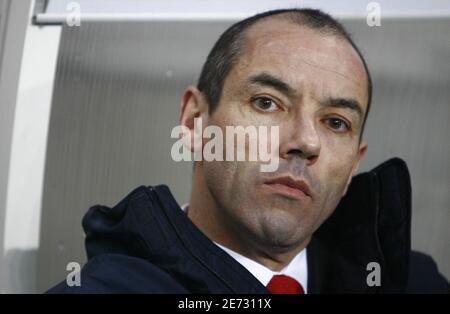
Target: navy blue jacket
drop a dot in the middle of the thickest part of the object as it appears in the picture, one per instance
(147, 244)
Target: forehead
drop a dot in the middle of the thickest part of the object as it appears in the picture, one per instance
(302, 56)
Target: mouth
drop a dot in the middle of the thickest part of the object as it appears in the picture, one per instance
(290, 187)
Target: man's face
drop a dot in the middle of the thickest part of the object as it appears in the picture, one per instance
(316, 110)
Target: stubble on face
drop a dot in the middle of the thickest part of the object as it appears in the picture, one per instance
(246, 216)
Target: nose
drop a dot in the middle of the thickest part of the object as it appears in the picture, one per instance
(301, 139)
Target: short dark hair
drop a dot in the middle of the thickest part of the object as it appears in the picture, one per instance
(226, 51)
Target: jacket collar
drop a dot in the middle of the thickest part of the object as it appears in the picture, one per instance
(217, 271)
(370, 224)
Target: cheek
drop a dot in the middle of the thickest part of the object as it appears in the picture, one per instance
(228, 181)
(335, 164)
(338, 151)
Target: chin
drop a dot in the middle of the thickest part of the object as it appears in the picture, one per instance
(283, 228)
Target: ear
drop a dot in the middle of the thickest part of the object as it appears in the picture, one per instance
(360, 154)
(193, 109)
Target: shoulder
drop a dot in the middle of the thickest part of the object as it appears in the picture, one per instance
(424, 276)
(116, 273)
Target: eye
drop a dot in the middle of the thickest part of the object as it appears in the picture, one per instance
(338, 125)
(265, 104)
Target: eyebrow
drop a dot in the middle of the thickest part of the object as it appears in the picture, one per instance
(345, 103)
(266, 79)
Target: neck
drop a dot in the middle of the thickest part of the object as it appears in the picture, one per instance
(207, 216)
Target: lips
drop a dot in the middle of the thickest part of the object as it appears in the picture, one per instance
(290, 187)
